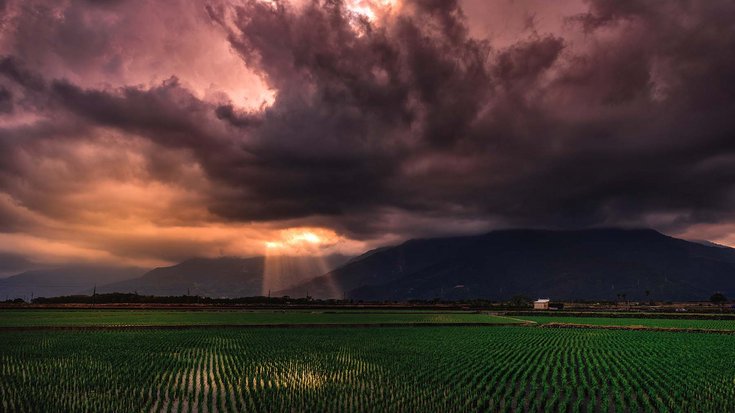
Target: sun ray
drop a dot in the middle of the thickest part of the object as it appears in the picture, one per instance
(295, 258)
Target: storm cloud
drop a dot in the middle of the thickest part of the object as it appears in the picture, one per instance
(377, 120)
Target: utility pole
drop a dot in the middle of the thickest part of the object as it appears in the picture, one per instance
(94, 294)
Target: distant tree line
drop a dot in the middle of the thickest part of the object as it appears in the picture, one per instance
(517, 302)
(132, 298)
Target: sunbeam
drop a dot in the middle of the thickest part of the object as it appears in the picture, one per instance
(297, 257)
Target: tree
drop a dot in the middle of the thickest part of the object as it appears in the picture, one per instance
(718, 299)
(520, 301)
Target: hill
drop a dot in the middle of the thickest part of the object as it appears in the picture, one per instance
(227, 276)
(595, 264)
(54, 282)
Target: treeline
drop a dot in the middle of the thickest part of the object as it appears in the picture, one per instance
(132, 298)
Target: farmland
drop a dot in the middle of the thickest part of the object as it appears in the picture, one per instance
(377, 369)
(27, 318)
(644, 322)
(323, 368)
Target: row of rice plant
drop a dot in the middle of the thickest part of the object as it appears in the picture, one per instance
(632, 321)
(379, 369)
(38, 317)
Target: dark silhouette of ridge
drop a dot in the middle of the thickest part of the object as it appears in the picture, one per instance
(595, 264)
(226, 276)
(66, 280)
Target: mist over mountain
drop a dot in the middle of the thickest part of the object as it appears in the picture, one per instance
(13, 264)
(595, 264)
(228, 276)
(67, 280)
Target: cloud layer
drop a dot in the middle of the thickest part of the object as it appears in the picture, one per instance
(131, 134)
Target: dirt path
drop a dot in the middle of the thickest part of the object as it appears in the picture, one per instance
(520, 320)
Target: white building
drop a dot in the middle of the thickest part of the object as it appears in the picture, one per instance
(541, 304)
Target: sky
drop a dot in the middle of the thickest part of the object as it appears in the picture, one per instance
(147, 132)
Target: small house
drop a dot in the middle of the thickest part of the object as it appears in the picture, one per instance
(541, 304)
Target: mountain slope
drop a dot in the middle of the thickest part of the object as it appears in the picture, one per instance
(227, 276)
(62, 281)
(590, 264)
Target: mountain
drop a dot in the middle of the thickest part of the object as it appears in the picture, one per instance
(708, 243)
(596, 264)
(228, 276)
(13, 264)
(67, 280)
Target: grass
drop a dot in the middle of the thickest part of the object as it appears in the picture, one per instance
(378, 369)
(35, 318)
(645, 322)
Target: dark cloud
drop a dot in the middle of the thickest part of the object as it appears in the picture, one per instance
(238, 120)
(625, 118)
(167, 114)
(526, 60)
(6, 102)
(15, 72)
(619, 129)
(613, 131)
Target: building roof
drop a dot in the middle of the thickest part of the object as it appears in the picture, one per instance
(542, 300)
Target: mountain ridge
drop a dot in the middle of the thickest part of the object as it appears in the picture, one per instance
(574, 264)
(598, 264)
(227, 276)
(63, 280)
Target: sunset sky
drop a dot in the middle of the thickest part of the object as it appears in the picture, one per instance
(147, 132)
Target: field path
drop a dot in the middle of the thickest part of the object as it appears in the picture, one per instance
(520, 320)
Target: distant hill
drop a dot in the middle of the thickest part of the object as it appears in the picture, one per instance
(228, 276)
(595, 264)
(53, 282)
(13, 264)
(708, 243)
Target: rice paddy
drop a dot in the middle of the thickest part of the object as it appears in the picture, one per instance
(35, 318)
(631, 322)
(373, 370)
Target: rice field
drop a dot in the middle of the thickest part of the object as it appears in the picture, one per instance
(643, 322)
(398, 369)
(58, 318)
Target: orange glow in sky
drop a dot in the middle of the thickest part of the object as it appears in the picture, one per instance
(371, 9)
(301, 241)
(131, 135)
